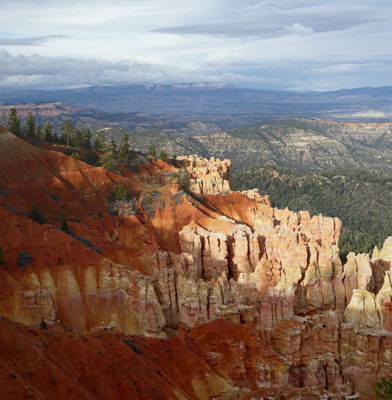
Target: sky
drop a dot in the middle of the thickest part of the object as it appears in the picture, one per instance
(270, 44)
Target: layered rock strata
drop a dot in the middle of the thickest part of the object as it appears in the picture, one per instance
(208, 176)
(146, 265)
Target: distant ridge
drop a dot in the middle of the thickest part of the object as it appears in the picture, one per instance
(220, 103)
(301, 145)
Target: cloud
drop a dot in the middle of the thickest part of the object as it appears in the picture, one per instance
(32, 41)
(36, 71)
(298, 29)
(269, 19)
(272, 44)
(340, 68)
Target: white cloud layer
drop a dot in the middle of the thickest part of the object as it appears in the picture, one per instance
(272, 44)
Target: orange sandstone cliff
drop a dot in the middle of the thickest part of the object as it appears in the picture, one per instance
(255, 300)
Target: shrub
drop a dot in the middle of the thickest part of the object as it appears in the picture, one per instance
(2, 260)
(36, 215)
(24, 259)
(43, 325)
(121, 193)
(91, 157)
(68, 151)
(64, 225)
(55, 197)
(147, 200)
(383, 388)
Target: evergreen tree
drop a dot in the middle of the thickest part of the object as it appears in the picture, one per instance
(153, 151)
(2, 260)
(56, 136)
(48, 132)
(87, 139)
(79, 137)
(31, 125)
(14, 125)
(91, 157)
(36, 215)
(112, 145)
(24, 129)
(99, 143)
(40, 133)
(108, 160)
(194, 163)
(67, 129)
(124, 149)
(163, 155)
(174, 160)
(64, 224)
(383, 388)
(184, 179)
(43, 325)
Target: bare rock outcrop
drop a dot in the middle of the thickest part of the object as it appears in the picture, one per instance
(209, 176)
(208, 249)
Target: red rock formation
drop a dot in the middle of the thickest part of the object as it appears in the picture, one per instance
(222, 360)
(146, 265)
(40, 364)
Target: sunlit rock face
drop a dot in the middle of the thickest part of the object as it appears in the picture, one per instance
(209, 176)
(163, 258)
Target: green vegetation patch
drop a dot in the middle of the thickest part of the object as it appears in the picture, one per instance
(362, 200)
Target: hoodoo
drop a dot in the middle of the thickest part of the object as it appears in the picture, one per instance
(173, 294)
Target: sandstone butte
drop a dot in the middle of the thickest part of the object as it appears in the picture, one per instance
(167, 295)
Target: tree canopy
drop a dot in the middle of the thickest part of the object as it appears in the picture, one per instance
(31, 125)
(153, 151)
(124, 149)
(383, 388)
(163, 155)
(14, 125)
(49, 133)
(108, 159)
(361, 199)
(35, 214)
(184, 179)
(67, 129)
(64, 224)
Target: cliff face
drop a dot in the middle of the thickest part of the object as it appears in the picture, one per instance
(209, 176)
(164, 258)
